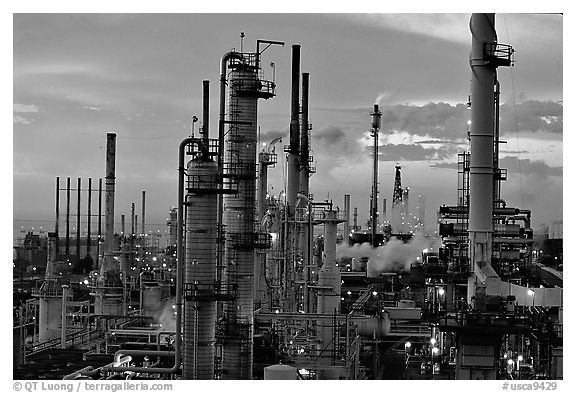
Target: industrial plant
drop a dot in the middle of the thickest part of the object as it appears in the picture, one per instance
(257, 286)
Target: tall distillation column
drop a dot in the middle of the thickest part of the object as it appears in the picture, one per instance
(238, 217)
(329, 283)
(108, 286)
(50, 297)
(201, 287)
(485, 57)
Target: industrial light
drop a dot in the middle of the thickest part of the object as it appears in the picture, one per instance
(349, 293)
(441, 291)
(530, 292)
(520, 358)
(408, 344)
(433, 341)
(374, 293)
(510, 362)
(435, 350)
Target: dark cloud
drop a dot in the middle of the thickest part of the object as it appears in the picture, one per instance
(267, 136)
(329, 136)
(414, 152)
(532, 116)
(439, 120)
(516, 166)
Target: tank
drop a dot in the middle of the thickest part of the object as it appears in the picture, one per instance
(280, 372)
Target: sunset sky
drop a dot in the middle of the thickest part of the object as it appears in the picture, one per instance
(78, 76)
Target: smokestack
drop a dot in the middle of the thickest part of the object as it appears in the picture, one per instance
(481, 140)
(383, 209)
(376, 115)
(293, 173)
(67, 216)
(78, 219)
(143, 218)
(123, 226)
(57, 215)
(304, 141)
(347, 222)
(205, 113)
(89, 229)
(355, 218)
(110, 185)
(132, 222)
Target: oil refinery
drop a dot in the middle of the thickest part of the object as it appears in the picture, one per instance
(255, 285)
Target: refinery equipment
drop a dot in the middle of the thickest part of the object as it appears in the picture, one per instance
(253, 285)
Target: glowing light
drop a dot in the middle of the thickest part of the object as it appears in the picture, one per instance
(441, 291)
(277, 311)
(408, 344)
(433, 341)
(435, 350)
(520, 358)
(530, 292)
(374, 293)
(510, 362)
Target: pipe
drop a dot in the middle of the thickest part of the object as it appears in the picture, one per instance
(179, 276)
(64, 305)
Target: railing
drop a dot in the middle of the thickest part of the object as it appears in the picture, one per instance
(498, 54)
(72, 339)
(212, 291)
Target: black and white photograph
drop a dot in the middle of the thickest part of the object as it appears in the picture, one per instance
(252, 194)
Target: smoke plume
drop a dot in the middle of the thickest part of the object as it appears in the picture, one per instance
(394, 256)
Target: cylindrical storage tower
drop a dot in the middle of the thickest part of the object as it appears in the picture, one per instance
(280, 372)
(200, 289)
(50, 305)
(239, 217)
(151, 300)
(329, 283)
(481, 145)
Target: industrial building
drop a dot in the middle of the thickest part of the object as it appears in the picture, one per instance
(256, 286)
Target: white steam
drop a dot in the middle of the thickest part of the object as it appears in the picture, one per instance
(393, 256)
(167, 317)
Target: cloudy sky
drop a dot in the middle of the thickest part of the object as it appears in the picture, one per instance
(78, 76)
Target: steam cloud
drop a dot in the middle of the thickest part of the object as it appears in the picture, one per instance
(166, 317)
(393, 256)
